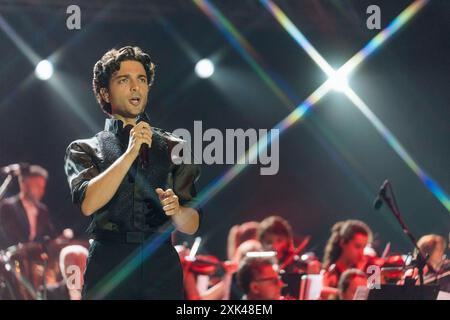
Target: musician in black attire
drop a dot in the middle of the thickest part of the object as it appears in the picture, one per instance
(133, 205)
(23, 217)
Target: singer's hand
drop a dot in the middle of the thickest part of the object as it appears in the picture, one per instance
(169, 200)
(141, 133)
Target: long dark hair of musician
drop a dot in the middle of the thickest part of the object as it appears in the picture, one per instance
(343, 231)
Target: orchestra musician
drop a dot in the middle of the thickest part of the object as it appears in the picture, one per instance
(344, 250)
(23, 217)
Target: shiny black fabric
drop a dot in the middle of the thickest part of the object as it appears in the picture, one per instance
(135, 206)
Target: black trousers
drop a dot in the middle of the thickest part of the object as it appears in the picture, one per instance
(137, 271)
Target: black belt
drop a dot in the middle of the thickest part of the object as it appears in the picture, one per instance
(125, 237)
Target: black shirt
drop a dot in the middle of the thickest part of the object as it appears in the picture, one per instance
(135, 205)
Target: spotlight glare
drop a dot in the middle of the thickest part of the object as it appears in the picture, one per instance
(44, 70)
(204, 68)
(338, 82)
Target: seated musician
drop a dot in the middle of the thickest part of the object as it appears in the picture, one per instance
(226, 287)
(344, 250)
(239, 234)
(24, 217)
(245, 247)
(349, 282)
(259, 279)
(275, 233)
(433, 246)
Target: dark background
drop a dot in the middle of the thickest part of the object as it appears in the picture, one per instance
(331, 163)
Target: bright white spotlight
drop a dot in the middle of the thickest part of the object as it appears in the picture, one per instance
(338, 82)
(44, 70)
(204, 68)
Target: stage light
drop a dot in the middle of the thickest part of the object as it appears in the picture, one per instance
(44, 70)
(338, 82)
(204, 68)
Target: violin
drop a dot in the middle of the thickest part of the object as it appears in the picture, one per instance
(392, 267)
(202, 264)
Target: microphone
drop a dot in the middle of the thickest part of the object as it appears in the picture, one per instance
(12, 169)
(378, 202)
(143, 152)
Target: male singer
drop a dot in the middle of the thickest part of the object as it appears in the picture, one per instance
(123, 178)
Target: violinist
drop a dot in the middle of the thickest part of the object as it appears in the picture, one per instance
(345, 250)
(275, 233)
(204, 265)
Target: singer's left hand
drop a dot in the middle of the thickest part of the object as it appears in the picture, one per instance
(169, 201)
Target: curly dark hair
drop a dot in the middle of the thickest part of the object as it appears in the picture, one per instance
(343, 231)
(110, 63)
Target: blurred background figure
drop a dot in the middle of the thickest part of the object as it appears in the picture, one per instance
(244, 248)
(24, 217)
(239, 234)
(349, 282)
(275, 233)
(259, 279)
(205, 276)
(432, 246)
(220, 276)
(344, 250)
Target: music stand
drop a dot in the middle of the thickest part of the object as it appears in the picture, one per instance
(310, 287)
(404, 292)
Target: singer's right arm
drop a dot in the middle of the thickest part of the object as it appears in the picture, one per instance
(102, 188)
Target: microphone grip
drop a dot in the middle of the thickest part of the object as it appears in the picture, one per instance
(143, 154)
(143, 151)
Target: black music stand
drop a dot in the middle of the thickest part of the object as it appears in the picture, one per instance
(404, 292)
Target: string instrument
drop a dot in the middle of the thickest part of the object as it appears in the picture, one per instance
(202, 264)
(392, 267)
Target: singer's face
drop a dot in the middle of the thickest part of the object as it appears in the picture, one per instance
(128, 90)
